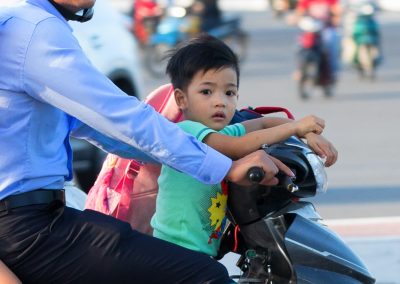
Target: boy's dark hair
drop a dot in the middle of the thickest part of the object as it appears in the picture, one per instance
(199, 54)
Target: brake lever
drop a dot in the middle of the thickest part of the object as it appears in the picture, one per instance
(287, 182)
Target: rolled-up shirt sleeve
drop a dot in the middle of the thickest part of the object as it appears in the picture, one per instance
(57, 72)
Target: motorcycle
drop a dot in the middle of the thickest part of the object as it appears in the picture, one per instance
(280, 237)
(313, 59)
(179, 25)
(366, 38)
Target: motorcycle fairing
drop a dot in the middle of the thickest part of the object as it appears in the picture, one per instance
(302, 208)
(324, 255)
(312, 275)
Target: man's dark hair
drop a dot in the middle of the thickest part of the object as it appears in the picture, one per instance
(199, 54)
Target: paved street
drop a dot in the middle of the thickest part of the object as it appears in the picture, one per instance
(362, 121)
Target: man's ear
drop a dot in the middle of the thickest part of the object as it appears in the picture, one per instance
(180, 99)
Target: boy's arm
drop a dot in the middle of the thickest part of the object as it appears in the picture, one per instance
(237, 147)
(264, 122)
(322, 147)
(317, 143)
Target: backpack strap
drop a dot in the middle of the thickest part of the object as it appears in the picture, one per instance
(273, 109)
(252, 113)
(125, 187)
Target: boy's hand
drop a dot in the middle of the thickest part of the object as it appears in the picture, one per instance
(309, 124)
(322, 147)
(270, 165)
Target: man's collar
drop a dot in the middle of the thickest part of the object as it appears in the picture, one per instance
(46, 5)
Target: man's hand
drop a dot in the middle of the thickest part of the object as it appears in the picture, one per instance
(323, 148)
(270, 165)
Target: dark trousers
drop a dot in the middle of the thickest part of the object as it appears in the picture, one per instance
(56, 244)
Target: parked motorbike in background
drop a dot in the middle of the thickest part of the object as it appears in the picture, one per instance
(178, 25)
(281, 238)
(313, 67)
(366, 38)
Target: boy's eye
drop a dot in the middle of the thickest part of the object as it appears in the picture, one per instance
(231, 93)
(205, 92)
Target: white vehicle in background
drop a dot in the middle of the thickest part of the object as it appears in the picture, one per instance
(113, 50)
(111, 47)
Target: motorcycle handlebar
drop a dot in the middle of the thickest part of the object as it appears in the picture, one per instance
(256, 175)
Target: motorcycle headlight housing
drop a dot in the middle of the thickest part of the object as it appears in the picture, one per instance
(319, 172)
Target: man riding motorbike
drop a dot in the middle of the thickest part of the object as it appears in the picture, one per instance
(49, 90)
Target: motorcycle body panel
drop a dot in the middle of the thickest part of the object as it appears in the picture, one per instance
(317, 252)
(300, 248)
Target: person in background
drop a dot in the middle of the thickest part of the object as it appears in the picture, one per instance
(205, 77)
(209, 13)
(49, 91)
(329, 12)
(352, 9)
(146, 16)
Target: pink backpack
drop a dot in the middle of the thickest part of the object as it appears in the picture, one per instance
(127, 189)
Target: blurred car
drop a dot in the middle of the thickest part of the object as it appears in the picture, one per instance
(113, 50)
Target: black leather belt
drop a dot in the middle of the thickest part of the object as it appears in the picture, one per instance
(40, 196)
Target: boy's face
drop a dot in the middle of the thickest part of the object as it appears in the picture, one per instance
(210, 98)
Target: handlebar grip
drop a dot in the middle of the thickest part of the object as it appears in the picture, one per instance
(255, 174)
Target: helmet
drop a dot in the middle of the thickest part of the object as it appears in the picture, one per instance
(83, 15)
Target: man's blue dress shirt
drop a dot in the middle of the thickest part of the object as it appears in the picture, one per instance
(49, 90)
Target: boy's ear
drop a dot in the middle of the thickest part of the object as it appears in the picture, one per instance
(180, 98)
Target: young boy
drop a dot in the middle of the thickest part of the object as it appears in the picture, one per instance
(205, 77)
